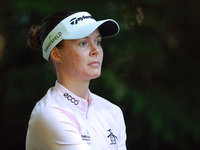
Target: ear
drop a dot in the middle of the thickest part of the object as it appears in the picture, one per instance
(55, 54)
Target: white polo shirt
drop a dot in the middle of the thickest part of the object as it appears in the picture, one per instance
(63, 121)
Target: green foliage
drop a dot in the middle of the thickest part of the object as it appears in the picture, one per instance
(151, 69)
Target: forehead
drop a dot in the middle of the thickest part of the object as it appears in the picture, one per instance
(94, 35)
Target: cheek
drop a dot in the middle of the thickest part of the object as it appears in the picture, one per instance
(101, 55)
(77, 61)
(71, 57)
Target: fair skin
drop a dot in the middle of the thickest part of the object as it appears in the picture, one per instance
(79, 62)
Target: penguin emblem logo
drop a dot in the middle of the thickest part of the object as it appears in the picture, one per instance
(112, 137)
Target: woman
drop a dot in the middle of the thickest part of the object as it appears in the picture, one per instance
(69, 116)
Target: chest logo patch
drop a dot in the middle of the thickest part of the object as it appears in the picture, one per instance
(86, 137)
(112, 137)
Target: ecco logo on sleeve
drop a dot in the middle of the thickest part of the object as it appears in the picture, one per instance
(70, 98)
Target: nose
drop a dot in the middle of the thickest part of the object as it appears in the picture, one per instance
(95, 49)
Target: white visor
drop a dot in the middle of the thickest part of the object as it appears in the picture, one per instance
(77, 26)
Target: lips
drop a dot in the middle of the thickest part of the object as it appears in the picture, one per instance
(94, 63)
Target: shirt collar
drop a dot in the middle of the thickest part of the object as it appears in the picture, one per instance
(72, 98)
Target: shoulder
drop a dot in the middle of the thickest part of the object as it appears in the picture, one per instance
(45, 103)
(52, 99)
(49, 114)
(49, 109)
(50, 119)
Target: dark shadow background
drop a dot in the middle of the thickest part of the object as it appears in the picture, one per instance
(151, 69)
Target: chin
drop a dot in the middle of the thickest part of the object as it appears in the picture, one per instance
(96, 76)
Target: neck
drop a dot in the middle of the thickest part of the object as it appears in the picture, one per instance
(78, 87)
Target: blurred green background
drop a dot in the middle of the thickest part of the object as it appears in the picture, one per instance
(151, 69)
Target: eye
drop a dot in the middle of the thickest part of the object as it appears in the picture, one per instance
(83, 44)
(98, 43)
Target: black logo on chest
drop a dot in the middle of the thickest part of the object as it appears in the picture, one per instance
(112, 137)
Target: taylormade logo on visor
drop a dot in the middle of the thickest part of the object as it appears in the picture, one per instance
(52, 40)
(75, 20)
